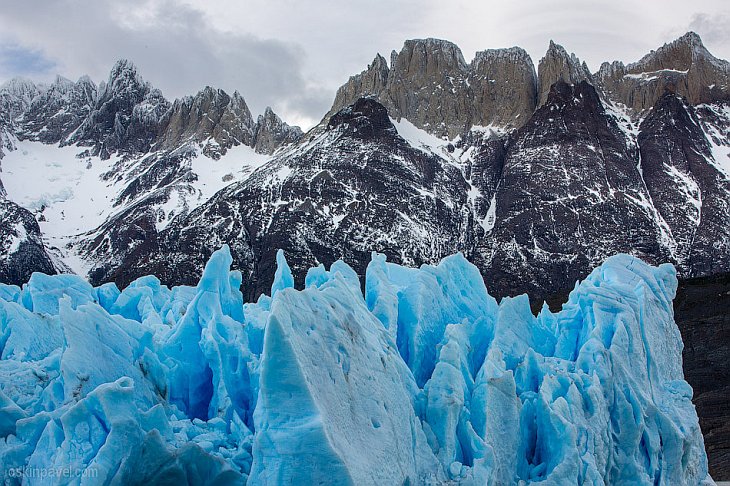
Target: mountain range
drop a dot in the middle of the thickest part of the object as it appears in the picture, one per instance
(536, 175)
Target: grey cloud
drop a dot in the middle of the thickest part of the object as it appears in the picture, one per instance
(714, 29)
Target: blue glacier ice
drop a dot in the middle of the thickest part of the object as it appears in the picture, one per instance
(422, 378)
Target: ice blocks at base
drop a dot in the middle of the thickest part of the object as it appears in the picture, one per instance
(423, 380)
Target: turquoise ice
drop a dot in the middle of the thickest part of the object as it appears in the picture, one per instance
(423, 378)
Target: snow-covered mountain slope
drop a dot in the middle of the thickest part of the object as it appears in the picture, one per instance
(358, 185)
(89, 161)
(424, 379)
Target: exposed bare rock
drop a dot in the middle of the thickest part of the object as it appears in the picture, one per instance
(271, 133)
(702, 312)
(504, 87)
(569, 185)
(212, 119)
(216, 122)
(674, 161)
(558, 65)
(423, 72)
(684, 67)
(236, 123)
(369, 83)
(22, 251)
(430, 84)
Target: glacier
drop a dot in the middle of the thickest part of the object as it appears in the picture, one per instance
(417, 377)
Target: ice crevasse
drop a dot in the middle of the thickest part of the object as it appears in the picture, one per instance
(422, 378)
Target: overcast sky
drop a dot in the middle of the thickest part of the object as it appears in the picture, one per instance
(293, 54)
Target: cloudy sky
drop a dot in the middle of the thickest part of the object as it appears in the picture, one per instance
(293, 54)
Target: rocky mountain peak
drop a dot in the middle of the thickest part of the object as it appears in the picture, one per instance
(683, 66)
(58, 112)
(679, 55)
(610, 69)
(558, 65)
(212, 118)
(236, 125)
(107, 128)
(364, 119)
(21, 87)
(16, 96)
(371, 82)
(430, 84)
(238, 104)
(582, 94)
(515, 54)
(271, 132)
(124, 81)
(217, 121)
(379, 64)
(429, 57)
(61, 84)
(503, 83)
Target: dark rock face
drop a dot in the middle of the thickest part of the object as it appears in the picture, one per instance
(706, 331)
(569, 186)
(21, 245)
(125, 117)
(688, 190)
(551, 201)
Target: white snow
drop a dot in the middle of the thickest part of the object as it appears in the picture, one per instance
(491, 217)
(652, 75)
(719, 141)
(15, 241)
(689, 188)
(69, 193)
(238, 163)
(66, 191)
(419, 139)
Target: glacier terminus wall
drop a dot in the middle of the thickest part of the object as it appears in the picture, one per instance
(420, 378)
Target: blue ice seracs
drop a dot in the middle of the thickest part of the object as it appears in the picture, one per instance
(424, 379)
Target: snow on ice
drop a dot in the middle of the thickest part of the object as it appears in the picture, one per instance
(425, 379)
